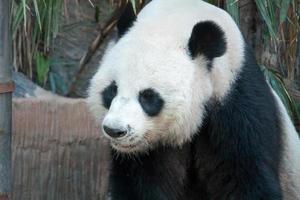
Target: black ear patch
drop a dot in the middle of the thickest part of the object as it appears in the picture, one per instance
(207, 39)
(126, 20)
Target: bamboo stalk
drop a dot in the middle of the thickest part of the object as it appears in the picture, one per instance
(5, 100)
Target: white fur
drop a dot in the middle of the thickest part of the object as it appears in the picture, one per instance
(290, 164)
(154, 54)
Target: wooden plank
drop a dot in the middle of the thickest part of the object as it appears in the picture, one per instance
(4, 197)
(58, 152)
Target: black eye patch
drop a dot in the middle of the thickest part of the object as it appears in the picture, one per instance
(151, 102)
(109, 93)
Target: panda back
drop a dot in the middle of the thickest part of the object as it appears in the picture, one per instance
(290, 163)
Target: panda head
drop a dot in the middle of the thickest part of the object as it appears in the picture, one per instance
(154, 83)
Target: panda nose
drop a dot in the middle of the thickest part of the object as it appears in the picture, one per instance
(114, 133)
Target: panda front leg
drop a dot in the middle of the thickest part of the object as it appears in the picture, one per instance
(126, 188)
(159, 174)
(120, 188)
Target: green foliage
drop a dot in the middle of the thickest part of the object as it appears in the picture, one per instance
(267, 10)
(284, 6)
(35, 23)
(41, 15)
(232, 8)
(282, 20)
(133, 5)
(214, 2)
(277, 83)
(42, 68)
(57, 83)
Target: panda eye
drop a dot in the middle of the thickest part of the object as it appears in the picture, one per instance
(151, 102)
(147, 95)
(109, 94)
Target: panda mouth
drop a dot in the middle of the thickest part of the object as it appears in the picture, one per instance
(120, 146)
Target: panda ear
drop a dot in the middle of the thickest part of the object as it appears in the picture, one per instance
(126, 19)
(207, 39)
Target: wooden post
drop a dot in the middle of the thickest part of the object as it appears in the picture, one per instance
(6, 88)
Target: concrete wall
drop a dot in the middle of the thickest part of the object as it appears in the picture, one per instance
(58, 152)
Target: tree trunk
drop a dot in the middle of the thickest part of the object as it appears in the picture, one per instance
(5, 100)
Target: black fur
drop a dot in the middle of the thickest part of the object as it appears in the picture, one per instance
(234, 156)
(161, 175)
(108, 94)
(151, 102)
(238, 150)
(126, 20)
(207, 39)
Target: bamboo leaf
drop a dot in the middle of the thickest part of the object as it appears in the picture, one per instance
(34, 23)
(285, 4)
(36, 8)
(233, 9)
(214, 2)
(133, 5)
(42, 66)
(276, 82)
(266, 10)
(18, 18)
(24, 13)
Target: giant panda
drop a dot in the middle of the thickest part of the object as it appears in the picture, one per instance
(188, 113)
